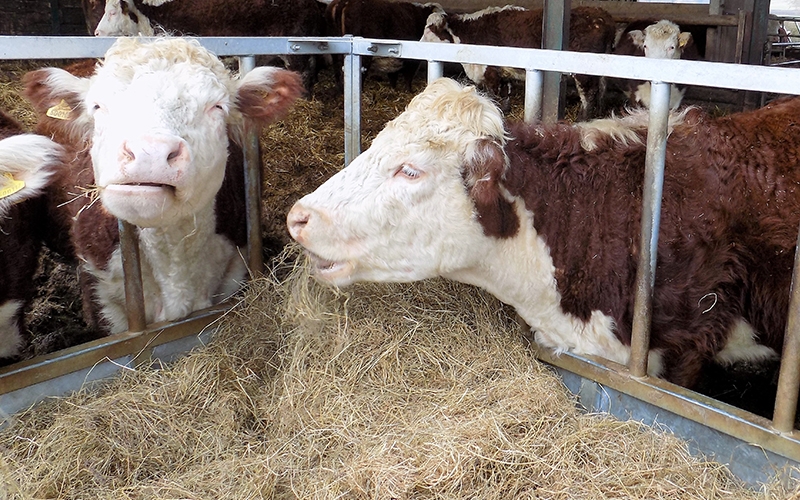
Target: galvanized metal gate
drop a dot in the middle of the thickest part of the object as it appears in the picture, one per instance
(755, 448)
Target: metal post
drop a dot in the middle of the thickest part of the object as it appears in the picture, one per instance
(534, 85)
(132, 272)
(253, 183)
(435, 70)
(555, 31)
(651, 215)
(352, 106)
(789, 376)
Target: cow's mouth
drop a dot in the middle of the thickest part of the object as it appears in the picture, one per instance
(328, 270)
(141, 187)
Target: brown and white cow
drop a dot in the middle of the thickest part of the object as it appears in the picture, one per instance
(27, 163)
(152, 139)
(381, 19)
(546, 218)
(220, 18)
(591, 29)
(661, 40)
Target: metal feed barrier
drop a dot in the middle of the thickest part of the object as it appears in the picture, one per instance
(755, 448)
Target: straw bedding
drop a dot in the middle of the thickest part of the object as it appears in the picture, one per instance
(385, 391)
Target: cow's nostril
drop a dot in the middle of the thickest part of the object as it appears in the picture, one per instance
(296, 220)
(178, 153)
(127, 153)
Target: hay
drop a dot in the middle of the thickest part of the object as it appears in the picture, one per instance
(386, 391)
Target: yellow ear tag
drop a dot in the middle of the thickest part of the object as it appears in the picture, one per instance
(12, 187)
(60, 111)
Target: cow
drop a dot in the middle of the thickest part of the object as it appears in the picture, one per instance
(591, 29)
(153, 138)
(220, 18)
(660, 40)
(546, 217)
(381, 19)
(27, 163)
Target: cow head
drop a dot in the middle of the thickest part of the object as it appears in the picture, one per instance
(158, 117)
(419, 202)
(122, 18)
(662, 40)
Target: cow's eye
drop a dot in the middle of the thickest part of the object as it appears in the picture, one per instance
(408, 171)
(94, 108)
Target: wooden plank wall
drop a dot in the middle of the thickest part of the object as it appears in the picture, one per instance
(42, 17)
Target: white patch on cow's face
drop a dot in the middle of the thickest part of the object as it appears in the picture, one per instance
(116, 22)
(160, 143)
(662, 40)
(400, 211)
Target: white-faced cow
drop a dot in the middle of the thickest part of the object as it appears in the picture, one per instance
(152, 139)
(381, 19)
(661, 40)
(546, 218)
(27, 162)
(220, 18)
(591, 29)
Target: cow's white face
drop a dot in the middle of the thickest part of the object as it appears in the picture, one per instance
(159, 145)
(662, 40)
(400, 211)
(121, 18)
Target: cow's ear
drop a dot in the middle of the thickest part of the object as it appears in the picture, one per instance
(684, 39)
(637, 36)
(266, 94)
(57, 96)
(483, 171)
(53, 91)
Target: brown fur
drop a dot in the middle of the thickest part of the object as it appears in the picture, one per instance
(243, 18)
(380, 19)
(729, 221)
(591, 30)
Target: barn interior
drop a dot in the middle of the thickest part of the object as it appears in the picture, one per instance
(299, 153)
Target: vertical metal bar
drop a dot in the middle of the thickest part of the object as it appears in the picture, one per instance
(651, 215)
(253, 183)
(534, 85)
(132, 271)
(789, 376)
(555, 31)
(435, 70)
(352, 107)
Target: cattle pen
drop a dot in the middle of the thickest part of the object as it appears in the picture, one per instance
(755, 448)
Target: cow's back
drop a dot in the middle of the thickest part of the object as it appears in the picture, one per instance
(234, 18)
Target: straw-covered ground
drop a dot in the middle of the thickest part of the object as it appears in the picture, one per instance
(385, 391)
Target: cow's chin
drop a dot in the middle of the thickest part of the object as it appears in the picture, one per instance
(144, 205)
(338, 273)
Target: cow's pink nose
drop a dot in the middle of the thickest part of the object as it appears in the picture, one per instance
(297, 220)
(162, 150)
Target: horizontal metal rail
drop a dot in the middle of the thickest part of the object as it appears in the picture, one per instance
(661, 73)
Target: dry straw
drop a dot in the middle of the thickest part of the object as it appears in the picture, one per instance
(383, 391)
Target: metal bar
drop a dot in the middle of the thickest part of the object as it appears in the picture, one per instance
(352, 107)
(253, 183)
(651, 215)
(555, 33)
(435, 70)
(725, 418)
(56, 364)
(789, 375)
(534, 82)
(132, 272)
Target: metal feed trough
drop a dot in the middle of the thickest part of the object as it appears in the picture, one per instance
(755, 448)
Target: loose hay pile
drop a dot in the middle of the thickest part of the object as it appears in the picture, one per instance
(386, 391)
